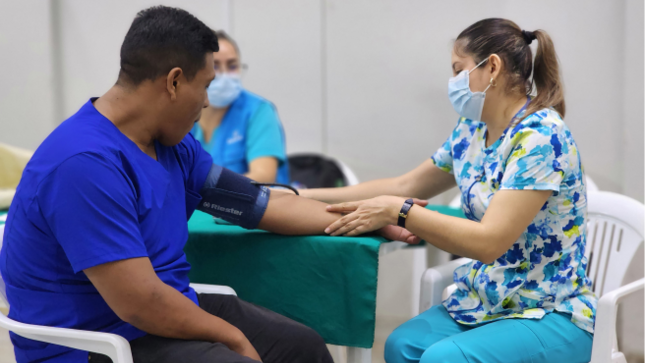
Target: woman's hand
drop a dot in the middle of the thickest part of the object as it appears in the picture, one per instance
(367, 215)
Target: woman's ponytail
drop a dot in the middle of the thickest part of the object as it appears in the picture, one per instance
(546, 76)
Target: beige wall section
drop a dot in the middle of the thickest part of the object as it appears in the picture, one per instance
(281, 43)
(91, 37)
(25, 56)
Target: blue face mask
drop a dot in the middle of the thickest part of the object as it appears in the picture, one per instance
(224, 89)
(468, 104)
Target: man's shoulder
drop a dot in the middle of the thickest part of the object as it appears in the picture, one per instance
(84, 133)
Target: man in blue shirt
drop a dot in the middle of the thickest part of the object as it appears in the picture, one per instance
(94, 238)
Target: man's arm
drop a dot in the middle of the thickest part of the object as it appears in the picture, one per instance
(134, 292)
(290, 214)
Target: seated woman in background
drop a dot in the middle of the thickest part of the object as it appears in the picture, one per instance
(241, 130)
(525, 297)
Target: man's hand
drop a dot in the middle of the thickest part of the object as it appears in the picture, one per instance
(396, 233)
(246, 349)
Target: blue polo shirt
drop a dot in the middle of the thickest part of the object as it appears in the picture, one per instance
(89, 196)
(250, 129)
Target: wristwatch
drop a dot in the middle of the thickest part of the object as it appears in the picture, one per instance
(403, 215)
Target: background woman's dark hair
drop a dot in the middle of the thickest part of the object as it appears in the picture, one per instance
(161, 38)
(504, 38)
(222, 35)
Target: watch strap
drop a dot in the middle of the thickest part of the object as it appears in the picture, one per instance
(403, 215)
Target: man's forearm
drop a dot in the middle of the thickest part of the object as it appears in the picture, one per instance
(167, 313)
(290, 214)
(136, 294)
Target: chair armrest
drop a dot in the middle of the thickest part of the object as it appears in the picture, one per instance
(213, 289)
(605, 330)
(435, 280)
(112, 345)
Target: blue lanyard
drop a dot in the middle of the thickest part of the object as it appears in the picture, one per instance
(528, 100)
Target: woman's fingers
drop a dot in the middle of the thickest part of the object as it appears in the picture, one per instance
(340, 223)
(343, 207)
(346, 228)
(357, 231)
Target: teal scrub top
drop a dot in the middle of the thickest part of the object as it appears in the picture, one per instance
(250, 129)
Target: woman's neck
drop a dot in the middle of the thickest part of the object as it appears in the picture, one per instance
(210, 120)
(502, 116)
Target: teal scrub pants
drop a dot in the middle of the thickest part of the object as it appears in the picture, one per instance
(434, 337)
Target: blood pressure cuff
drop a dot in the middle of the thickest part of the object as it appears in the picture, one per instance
(232, 197)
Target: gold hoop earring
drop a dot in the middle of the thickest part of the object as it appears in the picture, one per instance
(492, 82)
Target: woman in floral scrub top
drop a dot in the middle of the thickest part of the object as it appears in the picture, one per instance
(525, 297)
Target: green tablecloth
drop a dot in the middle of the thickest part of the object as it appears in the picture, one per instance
(326, 283)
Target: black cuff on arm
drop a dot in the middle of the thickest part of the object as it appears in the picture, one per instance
(233, 198)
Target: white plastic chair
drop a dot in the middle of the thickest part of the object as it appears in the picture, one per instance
(591, 187)
(616, 229)
(112, 345)
(349, 174)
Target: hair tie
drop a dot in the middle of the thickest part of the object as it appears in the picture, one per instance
(528, 36)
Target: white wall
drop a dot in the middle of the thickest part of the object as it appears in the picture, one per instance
(280, 41)
(26, 107)
(633, 96)
(91, 34)
(363, 80)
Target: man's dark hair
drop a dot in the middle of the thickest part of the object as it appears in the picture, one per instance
(161, 38)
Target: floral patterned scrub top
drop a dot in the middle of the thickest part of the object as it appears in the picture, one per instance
(545, 269)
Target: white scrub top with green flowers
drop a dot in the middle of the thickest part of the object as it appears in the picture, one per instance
(544, 270)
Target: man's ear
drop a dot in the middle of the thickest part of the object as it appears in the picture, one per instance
(172, 82)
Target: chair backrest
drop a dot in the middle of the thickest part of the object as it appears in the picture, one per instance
(590, 184)
(615, 231)
(312, 170)
(350, 176)
(3, 288)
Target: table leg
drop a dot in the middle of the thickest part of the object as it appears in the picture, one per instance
(359, 355)
(389, 247)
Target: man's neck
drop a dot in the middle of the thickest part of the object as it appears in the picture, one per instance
(131, 113)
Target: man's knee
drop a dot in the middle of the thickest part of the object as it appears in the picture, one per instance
(445, 351)
(308, 344)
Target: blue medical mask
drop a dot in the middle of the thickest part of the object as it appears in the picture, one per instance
(468, 104)
(224, 89)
